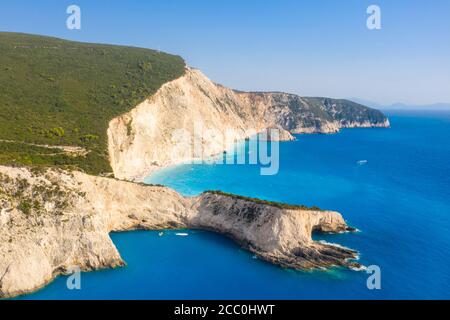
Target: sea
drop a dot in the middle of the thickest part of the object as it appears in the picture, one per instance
(392, 184)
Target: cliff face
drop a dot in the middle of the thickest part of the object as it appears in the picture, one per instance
(312, 115)
(160, 131)
(52, 221)
(281, 236)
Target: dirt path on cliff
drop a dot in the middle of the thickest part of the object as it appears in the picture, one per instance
(72, 150)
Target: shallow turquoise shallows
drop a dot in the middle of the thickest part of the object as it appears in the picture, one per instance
(399, 198)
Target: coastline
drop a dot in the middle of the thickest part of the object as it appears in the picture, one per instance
(123, 206)
(70, 214)
(374, 202)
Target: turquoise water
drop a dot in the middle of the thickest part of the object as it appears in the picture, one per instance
(400, 200)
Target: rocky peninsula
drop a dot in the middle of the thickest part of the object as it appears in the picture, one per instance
(52, 220)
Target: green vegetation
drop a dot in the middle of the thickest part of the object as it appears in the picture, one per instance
(58, 92)
(25, 206)
(23, 154)
(30, 199)
(279, 205)
(312, 111)
(344, 110)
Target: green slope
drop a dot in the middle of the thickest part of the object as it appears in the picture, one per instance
(58, 92)
(344, 111)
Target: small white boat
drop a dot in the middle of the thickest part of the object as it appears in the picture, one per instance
(161, 234)
(181, 234)
(361, 162)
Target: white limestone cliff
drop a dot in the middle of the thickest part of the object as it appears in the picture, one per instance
(147, 138)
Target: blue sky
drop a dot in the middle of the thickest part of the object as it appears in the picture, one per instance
(313, 48)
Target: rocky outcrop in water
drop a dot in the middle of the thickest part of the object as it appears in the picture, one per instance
(277, 233)
(52, 221)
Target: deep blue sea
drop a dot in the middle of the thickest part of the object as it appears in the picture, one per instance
(399, 199)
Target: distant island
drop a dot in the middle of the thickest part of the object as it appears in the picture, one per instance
(77, 118)
(404, 106)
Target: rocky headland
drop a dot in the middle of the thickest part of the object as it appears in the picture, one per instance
(53, 220)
